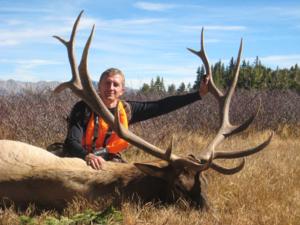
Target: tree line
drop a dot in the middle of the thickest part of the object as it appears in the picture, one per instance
(252, 76)
(157, 85)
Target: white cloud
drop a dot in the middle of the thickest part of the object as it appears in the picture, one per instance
(15, 37)
(11, 42)
(282, 61)
(87, 22)
(25, 69)
(63, 26)
(144, 21)
(149, 6)
(286, 11)
(127, 25)
(226, 28)
(217, 27)
(29, 63)
(12, 22)
(23, 10)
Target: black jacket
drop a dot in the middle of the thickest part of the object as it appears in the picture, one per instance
(136, 111)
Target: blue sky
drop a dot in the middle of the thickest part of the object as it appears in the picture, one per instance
(144, 38)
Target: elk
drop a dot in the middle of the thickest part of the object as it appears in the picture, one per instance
(32, 174)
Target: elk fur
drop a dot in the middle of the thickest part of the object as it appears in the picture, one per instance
(30, 174)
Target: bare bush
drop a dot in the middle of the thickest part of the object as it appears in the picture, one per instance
(40, 118)
(278, 108)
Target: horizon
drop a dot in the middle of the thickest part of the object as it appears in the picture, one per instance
(144, 39)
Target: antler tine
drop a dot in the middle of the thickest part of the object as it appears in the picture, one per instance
(74, 83)
(90, 94)
(234, 129)
(224, 104)
(202, 54)
(228, 171)
(229, 94)
(243, 153)
(83, 69)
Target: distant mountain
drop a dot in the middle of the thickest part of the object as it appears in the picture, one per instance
(14, 87)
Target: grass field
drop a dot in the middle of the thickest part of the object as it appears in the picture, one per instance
(266, 191)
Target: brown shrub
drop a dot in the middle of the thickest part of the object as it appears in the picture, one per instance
(39, 118)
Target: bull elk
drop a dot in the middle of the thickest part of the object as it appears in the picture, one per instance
(31, 174)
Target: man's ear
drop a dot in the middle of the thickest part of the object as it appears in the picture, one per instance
(152, 170)
(123, 91)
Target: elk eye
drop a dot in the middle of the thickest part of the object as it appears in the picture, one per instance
(202, 161)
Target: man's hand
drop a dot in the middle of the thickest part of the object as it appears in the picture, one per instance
(204, 86)
(96, 162)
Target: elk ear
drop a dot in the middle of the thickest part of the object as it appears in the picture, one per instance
(153, 170)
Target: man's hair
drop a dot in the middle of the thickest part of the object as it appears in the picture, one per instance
(112, 71)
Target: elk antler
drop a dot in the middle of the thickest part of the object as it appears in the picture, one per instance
(82, 86)
(226, 128)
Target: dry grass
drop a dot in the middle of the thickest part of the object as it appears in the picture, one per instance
(267, 191)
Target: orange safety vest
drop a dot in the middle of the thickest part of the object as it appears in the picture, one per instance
(114, 144)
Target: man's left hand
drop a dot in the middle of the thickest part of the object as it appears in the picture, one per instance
(96, 162)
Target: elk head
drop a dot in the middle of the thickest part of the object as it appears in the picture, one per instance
(180, 175)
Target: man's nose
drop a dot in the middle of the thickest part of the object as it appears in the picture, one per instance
(110, 86)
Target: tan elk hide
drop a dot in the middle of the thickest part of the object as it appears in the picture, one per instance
(31, 174)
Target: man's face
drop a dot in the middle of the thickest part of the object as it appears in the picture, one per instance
(111, 88)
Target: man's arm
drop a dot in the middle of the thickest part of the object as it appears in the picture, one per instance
(145, 110)
(73, 141)
(79, 116)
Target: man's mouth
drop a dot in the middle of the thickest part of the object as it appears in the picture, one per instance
(109, 93)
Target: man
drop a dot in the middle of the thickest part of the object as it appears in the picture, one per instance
(90, 138)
